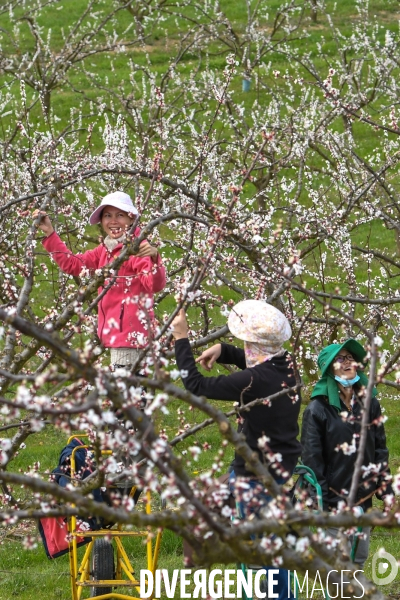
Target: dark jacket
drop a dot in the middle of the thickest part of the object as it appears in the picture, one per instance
(277, 419)
(84, 466)
(324, 430)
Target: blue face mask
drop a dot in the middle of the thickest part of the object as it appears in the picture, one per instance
(347, 382)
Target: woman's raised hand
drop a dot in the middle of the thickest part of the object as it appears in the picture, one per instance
(44, 223)
(180, 326)
(209, 356)
(146, 250)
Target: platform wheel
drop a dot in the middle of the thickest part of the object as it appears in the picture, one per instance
(102, 565)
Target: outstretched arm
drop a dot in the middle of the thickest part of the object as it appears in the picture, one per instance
(236, 386)
(180, 327)
(209, 356)
(67, 261)
(44, 224)
(223, 353)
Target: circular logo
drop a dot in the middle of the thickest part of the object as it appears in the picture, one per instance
(388, 560)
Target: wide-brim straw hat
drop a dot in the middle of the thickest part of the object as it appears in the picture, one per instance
(118, 200)
(257, 321)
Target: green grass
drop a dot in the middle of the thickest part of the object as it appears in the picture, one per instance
(27, 574)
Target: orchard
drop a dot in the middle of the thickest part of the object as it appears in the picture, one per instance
(260, 144)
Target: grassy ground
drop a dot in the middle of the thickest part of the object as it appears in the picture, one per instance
(27, 574)
(24, 574)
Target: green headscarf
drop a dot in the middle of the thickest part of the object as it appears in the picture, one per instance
(327, 385)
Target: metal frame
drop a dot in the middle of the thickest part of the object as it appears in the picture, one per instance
(309, 477)
(312, 480)
(124, 573)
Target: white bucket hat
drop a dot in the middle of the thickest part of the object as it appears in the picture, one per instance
(118, 200)
(257, 321)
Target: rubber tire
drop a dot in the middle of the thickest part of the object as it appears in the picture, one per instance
(102, 565)
(264, 587)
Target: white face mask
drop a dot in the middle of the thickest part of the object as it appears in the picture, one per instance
(347, 382)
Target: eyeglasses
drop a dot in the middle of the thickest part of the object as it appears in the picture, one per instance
(341, 358)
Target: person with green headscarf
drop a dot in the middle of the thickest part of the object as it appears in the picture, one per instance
(331, 431)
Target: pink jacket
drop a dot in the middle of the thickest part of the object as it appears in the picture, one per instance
(125, 308)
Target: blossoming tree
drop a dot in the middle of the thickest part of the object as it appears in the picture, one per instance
(287, 193)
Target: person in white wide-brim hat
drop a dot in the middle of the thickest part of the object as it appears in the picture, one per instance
(121, 326)
(118, 200)
(266, 368)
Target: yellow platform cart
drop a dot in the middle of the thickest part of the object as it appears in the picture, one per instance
(105, 569)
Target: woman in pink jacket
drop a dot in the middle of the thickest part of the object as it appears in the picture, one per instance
(125, 309)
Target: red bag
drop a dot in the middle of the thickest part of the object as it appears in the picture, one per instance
(54, 534)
